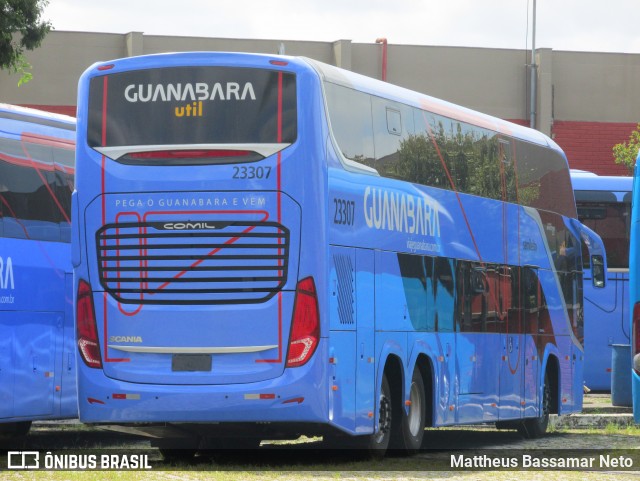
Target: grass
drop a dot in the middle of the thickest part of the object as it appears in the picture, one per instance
(280, 463)
(319, 476)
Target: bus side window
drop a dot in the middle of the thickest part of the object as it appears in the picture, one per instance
(531, 301)
(506, 154)
(351, 122)
(444, 294)
(392, 124)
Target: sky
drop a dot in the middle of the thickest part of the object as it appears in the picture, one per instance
(575, 25)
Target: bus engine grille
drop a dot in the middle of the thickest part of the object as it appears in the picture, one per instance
(193, 262)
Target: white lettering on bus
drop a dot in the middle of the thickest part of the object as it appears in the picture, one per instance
(6, 274)
(396, 211)
(182, 92)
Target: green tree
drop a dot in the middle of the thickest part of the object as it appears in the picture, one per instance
(21, 28)
(627, 152)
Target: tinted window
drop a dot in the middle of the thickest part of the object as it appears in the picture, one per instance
(437, 151)
(611, 221)
(193, 105)
(392, 125)
(543, 179)
(351, 122)
(35, 196)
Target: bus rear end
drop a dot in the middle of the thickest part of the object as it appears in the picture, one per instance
(195, 301)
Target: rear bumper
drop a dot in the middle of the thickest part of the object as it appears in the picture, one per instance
(299, 395)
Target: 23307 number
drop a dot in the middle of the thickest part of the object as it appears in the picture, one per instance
(251, 172)
(345, 212)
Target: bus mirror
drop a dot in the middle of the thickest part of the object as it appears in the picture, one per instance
(597, 271)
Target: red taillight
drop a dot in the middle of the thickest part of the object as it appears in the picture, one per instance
(305, 327)
(87, 333)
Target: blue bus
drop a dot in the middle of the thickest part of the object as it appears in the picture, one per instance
(604, 205)
(634, 294)
(268, 246)
(37, 338)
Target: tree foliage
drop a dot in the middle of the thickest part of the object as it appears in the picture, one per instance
(626, 153)
(21, 28)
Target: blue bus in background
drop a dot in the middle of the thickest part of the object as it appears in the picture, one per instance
(634, 294)
(37, 338)
(604, 205)
(269, 246)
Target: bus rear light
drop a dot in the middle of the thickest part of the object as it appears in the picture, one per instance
(87, 333)
(135, 397)
(259, 396)
(635, 337)
(305, 327)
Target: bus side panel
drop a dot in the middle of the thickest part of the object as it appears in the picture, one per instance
(7, 373)
(69, 388)
(32, 316)
(34, 352)
(606, 314)
(342, 336)
(352, 350)
(365, 354)
(342, 372)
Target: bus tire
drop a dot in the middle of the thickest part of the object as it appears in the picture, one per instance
(377, 444)
(413, 422)
(537, 427)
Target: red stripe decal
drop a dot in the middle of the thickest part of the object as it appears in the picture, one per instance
(105, 86)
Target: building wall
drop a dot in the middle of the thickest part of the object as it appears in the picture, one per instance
(585, 101)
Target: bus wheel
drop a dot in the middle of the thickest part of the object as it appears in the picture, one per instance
(378, 442)
(413, 422)
(537, 427)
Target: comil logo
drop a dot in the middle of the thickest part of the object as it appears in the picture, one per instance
(189, 226)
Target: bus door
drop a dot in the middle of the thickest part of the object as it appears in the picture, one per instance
(512, 368)
(532, 307)
(593, 246)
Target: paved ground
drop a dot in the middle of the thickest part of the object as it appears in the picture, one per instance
(597, 412)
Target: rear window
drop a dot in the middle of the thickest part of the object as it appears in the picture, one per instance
(192, 105)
